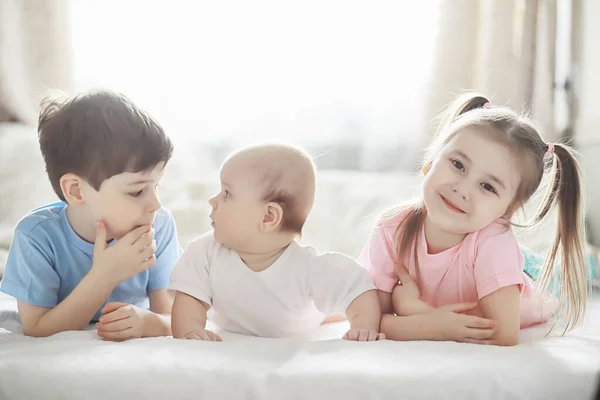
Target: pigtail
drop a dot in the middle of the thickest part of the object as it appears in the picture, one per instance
(565, 190)
(461, 105)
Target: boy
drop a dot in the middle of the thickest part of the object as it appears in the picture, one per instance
(252, 274)
(106, 251)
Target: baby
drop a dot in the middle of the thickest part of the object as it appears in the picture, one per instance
(251, 276)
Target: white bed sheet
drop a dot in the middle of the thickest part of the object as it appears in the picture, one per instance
(77, 365)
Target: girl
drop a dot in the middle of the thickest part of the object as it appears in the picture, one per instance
(456, 245)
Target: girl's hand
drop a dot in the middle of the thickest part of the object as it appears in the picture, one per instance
(409, 286)
(450, 326)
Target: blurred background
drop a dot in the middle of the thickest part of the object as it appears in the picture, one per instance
(357, 83)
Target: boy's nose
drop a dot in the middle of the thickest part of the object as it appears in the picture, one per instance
(155, 204)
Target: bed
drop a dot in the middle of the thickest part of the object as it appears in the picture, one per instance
(78, 365)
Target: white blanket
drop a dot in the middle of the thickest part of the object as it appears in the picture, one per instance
(77, 365)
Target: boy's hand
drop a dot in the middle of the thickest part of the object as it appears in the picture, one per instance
(132, 254)
(121, 321)
(203, 334)
(363, 335)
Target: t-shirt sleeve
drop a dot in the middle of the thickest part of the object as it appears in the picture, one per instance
(191, 274)
(498, 262)
(335, 280)
(30, 275)
(167, 253)
(379, 258)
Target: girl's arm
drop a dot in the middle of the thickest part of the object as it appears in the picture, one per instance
(503, 306)
(436, 325)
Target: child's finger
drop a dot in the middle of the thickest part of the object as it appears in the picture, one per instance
(116, 315)
(381, 336)
(120, 335)
(214, 337)
(476, 322)
(481, 341)
(112, 306)
(479, 333)
(115, 326)
(363, 335)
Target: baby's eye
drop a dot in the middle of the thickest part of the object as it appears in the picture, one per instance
(227, 194)
(488, 187)
(458, 165)
(137, 194)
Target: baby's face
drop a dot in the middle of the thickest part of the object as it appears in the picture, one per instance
(238, 208)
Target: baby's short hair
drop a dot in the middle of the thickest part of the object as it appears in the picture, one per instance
(97, 135)
(287, 175)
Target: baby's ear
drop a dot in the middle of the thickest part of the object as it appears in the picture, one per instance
(272, 217)
(426, 168)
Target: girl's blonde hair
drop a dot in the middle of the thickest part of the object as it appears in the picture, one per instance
(565, 191)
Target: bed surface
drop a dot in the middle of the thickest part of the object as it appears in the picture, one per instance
(77, 365)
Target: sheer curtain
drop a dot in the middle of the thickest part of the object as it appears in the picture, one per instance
(345, 79)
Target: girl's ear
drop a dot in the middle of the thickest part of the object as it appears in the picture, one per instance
(426, 168)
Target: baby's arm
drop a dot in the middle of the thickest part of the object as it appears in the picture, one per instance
(364, 315)
(191, 281)
(188, 319)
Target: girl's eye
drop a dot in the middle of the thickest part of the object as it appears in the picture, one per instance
(488, 187)
(137, 194)
(458, 165)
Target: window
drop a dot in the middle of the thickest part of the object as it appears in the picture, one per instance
(347, 80)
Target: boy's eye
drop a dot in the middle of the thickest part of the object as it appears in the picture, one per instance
(488, 187)
(137, 194)
(458, 165)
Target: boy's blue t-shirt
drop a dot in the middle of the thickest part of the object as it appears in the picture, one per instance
(47, 260)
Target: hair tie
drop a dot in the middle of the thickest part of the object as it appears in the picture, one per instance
(487, 105)
(550, 147)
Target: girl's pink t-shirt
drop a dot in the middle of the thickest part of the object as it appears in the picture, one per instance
(482, 263)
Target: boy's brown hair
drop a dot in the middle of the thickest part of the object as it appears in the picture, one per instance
(97, 135)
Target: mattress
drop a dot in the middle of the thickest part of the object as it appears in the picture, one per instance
(78, 365)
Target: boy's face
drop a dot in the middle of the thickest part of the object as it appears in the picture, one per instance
(125, 201)
(237, 210)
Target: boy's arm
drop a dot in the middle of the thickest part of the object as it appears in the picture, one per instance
(158, 321)
(131, 255)
(73, 313)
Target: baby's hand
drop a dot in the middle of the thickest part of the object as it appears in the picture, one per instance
(203, 335)
(121, 321)
(363, 335)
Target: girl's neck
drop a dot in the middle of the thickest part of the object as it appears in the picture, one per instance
(439, 240)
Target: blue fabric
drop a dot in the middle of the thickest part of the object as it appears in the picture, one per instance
(47, 260)
(534, 263)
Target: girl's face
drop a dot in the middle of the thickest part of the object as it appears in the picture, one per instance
(471, 182)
